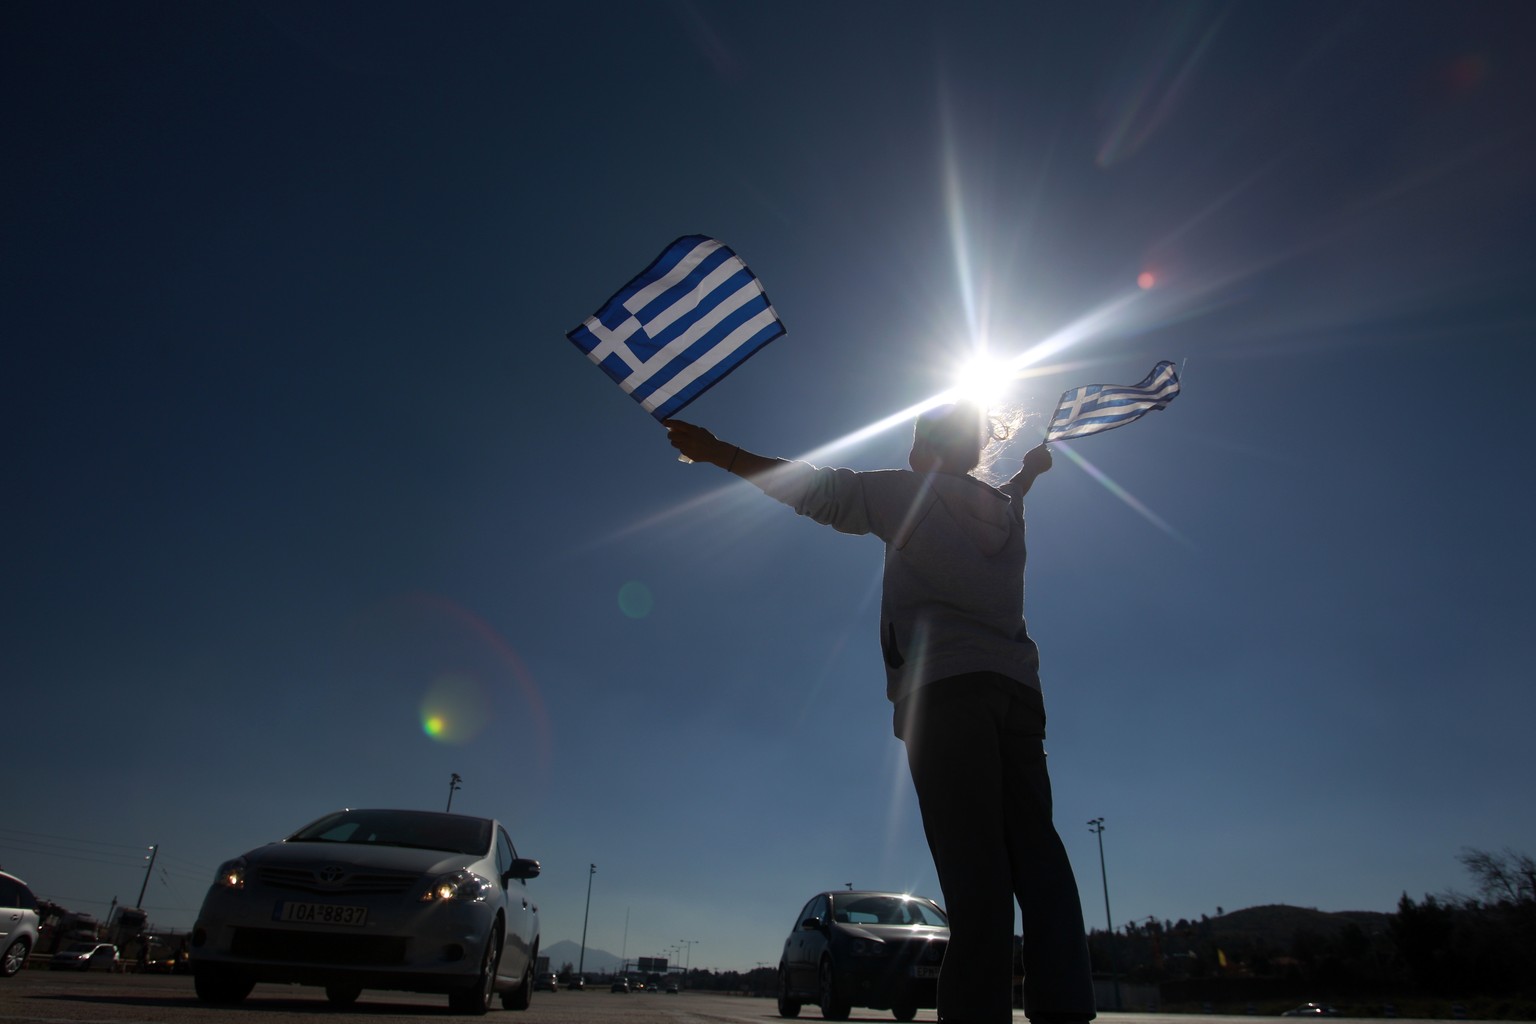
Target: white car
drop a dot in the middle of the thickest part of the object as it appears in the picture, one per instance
(18, 924)
(418, 901)
(85, 956)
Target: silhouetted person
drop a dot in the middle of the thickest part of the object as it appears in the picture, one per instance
(961, 671)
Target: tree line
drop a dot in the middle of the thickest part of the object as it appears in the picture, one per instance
(1451, 945)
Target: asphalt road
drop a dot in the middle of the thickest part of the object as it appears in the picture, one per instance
(36, 996)
(49, 997)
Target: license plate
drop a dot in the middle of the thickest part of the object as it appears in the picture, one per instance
(321, 913)
(923, 971)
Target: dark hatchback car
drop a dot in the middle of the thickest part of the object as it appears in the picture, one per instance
(880, 950)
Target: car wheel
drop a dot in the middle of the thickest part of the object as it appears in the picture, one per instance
(520, 997)
(904, 1010)
(787, 1007)
(214, 985)
(342, 995)
(475, 1000)
(15, 957)
(832, 1007)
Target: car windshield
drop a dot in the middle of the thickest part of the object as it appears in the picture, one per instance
(866, 908)
(425, 830)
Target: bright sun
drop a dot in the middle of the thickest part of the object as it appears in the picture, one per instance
(982, 379)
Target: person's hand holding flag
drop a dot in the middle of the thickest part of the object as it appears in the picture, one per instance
(1036, 461)
(696, 444)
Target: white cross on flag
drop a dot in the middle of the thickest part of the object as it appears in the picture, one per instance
(679, 327)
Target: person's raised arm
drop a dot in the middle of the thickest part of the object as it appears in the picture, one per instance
(1036, 461)
(700, 445)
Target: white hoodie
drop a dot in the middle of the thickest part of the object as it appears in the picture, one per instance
(952, 601)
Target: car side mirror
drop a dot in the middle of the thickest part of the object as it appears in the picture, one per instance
(810, 924)
(522, 867)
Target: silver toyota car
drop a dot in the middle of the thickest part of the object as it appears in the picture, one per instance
(417, 901)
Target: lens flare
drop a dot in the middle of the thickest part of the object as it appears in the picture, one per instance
(1157, 92)
(1120, 492)
(450, 673)
(454, 709)
(635, 600)
(1467, 73)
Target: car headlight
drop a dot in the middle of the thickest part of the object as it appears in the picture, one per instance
(867, 947)
(231, 874)
(464, 886)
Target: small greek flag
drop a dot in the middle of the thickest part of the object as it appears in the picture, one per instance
(1095, 407)
(689, 319)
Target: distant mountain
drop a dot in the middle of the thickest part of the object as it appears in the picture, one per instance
(1272, 926)
(597, 961)
(1277, 924)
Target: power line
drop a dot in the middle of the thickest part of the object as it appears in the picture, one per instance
(71, 839)
(40, 845)
(75, 849)
(69, 856)
(200, 878)
(61, 900)
(191, 865)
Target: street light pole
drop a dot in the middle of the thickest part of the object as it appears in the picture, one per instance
(624, 948)
(581, 963)
(688, 943)
(153, 852)
(1096, 826)
(453, 784)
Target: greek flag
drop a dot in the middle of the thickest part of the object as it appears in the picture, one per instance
(1095, 407)
(676, 330)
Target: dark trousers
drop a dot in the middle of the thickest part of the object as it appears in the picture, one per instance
(976, 747)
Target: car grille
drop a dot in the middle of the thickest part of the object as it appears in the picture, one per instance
(318, 947)
(926, 952)
(304, 880)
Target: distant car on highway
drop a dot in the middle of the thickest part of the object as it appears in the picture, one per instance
(1311, 1010)
(162, 953)
(85, 956)
(418, 901)
(880, 950)
(620, 985)
(547, 983)
(577, 983)
(18, 924)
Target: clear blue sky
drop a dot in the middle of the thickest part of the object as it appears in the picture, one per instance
(296, 451)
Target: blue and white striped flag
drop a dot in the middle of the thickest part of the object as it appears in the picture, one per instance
(1095, 407)
(676, 330)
